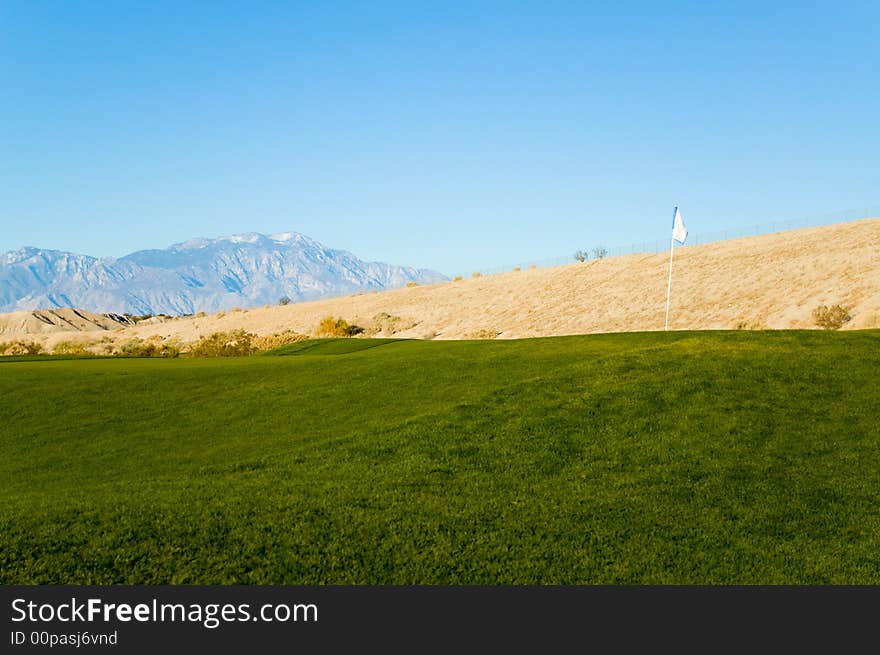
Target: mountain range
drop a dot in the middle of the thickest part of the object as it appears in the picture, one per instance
(198, 275)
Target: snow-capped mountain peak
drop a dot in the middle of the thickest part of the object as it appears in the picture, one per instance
(195, 275)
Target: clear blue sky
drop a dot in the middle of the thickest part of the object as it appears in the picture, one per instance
(450, 135)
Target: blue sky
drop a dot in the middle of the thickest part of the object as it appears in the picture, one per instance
(450, 135)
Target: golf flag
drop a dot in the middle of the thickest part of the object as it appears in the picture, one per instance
(679, 231)
(679, 234)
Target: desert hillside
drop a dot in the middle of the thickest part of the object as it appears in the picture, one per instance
(47, 321)
(770, 281)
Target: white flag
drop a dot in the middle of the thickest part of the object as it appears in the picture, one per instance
(679, 231)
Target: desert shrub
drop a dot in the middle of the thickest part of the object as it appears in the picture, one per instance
(21, 348)
(516, 269)
(200, 314)
(485, 333)
(284, 300)
(69, 348)
(277, 340)
(412, 284)
(476, 274)
(326, 326)
(457, 278)
(149, 348)
(224, 344)
(831, 318)
(599, 252)
(330, 327)
(135, 318)
(384, 323)
(220, 314)
(137, 348)
(755, 324)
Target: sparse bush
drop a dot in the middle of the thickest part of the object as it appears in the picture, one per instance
(152, 347)
(200, 315)
(170, 348)
(457, 278)
(220, 314)
(516, 269)
(385, 324)
(69, 348)
(476, 274)
(831, 318)
(137, 348)
(225, 344)
(21, 348)
(412, 284)
(135, 318)
(599, 252)
(485, 333)
(277, 340)
(284, 300)
(330, 327)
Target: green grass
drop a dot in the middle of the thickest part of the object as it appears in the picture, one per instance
(330, 346)
(715, 457)
(44, 358)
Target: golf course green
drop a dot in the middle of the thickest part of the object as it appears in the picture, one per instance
(684, 457)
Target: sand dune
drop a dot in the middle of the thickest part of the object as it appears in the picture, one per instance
(770, 281)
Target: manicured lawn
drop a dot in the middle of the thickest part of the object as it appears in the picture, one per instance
(710, 457)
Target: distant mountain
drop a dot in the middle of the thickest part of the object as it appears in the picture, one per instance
(197, 275)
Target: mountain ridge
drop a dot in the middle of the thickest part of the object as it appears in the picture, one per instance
(195, 275)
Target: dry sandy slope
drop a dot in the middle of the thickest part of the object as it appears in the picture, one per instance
(48, 321)
(769, 281)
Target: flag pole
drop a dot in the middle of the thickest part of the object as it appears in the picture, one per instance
(669, 284)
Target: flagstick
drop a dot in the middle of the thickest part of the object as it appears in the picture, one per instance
(669, 285)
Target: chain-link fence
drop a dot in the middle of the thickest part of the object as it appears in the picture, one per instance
(594, 251)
